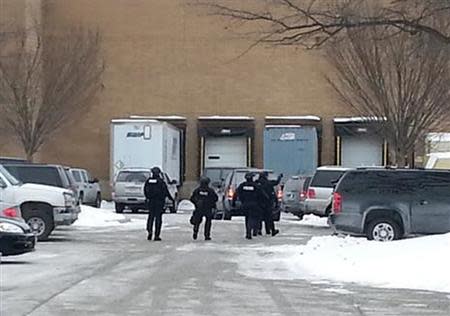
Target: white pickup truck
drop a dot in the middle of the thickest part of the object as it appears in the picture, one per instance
(42, 207)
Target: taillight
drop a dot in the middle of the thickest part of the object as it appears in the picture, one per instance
(10, 212)
(311, 194)
(280, 194)
(337, 203)
(230, 193)
(302, 195)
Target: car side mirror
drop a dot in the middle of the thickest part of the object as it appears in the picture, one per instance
(95, 180)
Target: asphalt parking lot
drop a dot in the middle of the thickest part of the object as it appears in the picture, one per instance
(116, 271)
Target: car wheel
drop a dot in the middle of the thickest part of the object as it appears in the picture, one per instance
(40, 223)
(383, 229)
(119, 208)
(98, 200)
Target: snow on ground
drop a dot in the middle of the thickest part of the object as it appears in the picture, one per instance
(313, 220)
(185, 206)
(103, 217)
(417, 263)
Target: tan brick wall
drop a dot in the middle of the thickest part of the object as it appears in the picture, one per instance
(164, 58)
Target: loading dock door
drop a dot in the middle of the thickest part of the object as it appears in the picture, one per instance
(362, 150)
(227, 151)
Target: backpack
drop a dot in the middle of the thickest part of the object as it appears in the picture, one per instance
(155, 189)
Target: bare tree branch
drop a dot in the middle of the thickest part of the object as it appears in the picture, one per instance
(47, 81)
(399, 83)
(313, 23)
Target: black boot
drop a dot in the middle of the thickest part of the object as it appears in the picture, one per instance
(194, 236)
(275, 232)
(149, 236)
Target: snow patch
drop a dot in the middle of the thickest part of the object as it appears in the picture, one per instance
(417, 263)
(338, 291)
(313, 220)
(301, 117)
(185, 206)
(99, 217)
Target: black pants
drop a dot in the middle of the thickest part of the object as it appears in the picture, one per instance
(198, 216)
(268, 220)
(253, 214)
(155, 216)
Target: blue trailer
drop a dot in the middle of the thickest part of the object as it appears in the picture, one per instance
(290, 149)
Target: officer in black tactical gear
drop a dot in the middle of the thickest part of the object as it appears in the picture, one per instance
(204, 199)
(268, 187)
(156, 192)
(252, 199)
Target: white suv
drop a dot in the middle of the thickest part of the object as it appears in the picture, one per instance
(42, 207)
(320, 190)
(128, 190)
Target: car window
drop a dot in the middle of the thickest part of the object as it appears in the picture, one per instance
(37, 174)
(133, 176)
(325, 178)
(88, 175)
(76, 175)
(213, 174)
(436, 183)
(85, 177)
(70, 177)
(380, 182)
(64, 177)
(294, 184)
(9, 177)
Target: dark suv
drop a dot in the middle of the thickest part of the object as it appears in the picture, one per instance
(389, 204)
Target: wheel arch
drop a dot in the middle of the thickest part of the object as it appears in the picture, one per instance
(394, 214)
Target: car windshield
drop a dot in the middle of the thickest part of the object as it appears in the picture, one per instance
(326, 178)
(133, 176)
(239, 176)
(213, 175)
(294, 184)
(11, 179)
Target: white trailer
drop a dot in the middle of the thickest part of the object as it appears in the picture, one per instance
(145, 143)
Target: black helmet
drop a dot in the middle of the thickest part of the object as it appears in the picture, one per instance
(156, 171)
(204, 181)
(249, 176)
(263, 175)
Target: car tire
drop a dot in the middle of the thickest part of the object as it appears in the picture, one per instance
(119, 208)
(383, 229)
(98, 201)
(300, 215)
(40, 222)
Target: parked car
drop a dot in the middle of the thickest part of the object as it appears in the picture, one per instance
(16, 237)
(52, 175)
(88, 188)
(320, 190)
(217, 175)
(42, 207)
(389, 204)
(294, 195)
(233, 180)
(128, 190)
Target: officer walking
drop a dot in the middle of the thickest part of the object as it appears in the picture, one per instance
(267, 187)
(252, 199)
(156, 192)
(204, 199)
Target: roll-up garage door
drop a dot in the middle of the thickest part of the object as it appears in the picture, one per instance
(227, 151)
(360, 151)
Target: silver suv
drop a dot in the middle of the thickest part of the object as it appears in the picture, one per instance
(320, 190)
(89, 191)
(128, 190)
